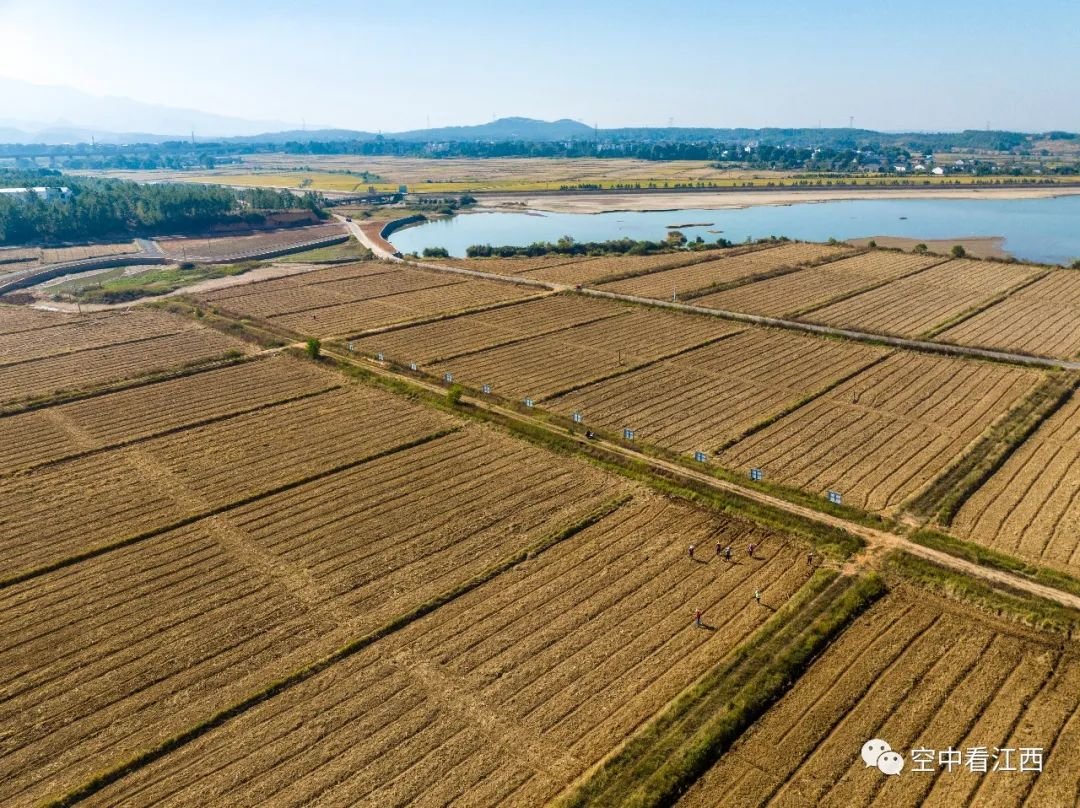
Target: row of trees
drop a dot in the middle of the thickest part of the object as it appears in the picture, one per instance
(100, 208)
(567, 245)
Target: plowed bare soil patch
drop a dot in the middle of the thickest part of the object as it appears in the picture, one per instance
(227, 246)
(918, 674)
(505, 695)
(886, 432)
(701, 399)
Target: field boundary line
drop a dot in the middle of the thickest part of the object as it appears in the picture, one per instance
(438, 318)
(517, 339)
(708, 256)
(227, 359)
(76, 351)
(941, 498)
(103, 549)
(798, 405)
(643, 366)
(660, 474)
(173, 430)
(352, 648)
(864, 289)
(922, 346)
(967, 314)
(727, 286)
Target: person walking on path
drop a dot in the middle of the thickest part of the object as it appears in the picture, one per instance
(697, 618)
(719, 550)
(750, 550)
(757, 595)
(691, 552)
(810, 559)
(727, 552)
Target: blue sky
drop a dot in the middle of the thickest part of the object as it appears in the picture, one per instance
(399, 64)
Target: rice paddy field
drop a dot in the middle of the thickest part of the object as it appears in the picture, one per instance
(887, 431)
(920, 674)
(232, 575)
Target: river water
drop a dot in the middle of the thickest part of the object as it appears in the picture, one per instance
(1044, 230)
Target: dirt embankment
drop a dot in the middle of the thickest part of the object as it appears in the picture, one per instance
(977, 246)
(717, 200)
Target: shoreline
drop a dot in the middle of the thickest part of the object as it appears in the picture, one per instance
(727, 200)
(974, 246)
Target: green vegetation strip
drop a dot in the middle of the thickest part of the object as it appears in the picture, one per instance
(944, 497)
(676, 748)
(303, 674)
(1019, 607)
(102, 549)
(986, 557)
(830, 541)
(157, 282)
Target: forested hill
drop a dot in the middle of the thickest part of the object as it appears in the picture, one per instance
(101, 208)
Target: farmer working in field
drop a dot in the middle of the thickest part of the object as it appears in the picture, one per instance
(691, 552)
(697, 618)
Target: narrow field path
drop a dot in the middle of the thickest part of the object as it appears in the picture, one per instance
(779, 322)
(879, 542)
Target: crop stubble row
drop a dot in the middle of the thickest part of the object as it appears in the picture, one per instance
(121, 651)
(916, 673)
(506, 694)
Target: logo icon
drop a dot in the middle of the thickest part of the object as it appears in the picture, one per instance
(879, 754)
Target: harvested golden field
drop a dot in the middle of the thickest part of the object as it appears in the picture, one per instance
(22, 257)
(545, 366)
(97, 367)
(799, 291)
(72, 507)
(120, 652)
(219, 247)
(918, 305)
(313, 278)
(741, 268)
(15, 319)
(701, 399)
(83, 333)
(469, 333)
(577, 270)
(888, 431)
(1030, 507)
(316, 293)
(508, 266)
(424, 304)
(1041, 319)
(46, 435)
(505, 695)
(919, 674)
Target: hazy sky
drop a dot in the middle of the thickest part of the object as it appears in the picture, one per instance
(399, 64)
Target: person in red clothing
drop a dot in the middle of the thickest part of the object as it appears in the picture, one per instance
(750, 550)
(697, 618)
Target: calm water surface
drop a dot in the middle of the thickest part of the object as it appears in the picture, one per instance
(1046, 230)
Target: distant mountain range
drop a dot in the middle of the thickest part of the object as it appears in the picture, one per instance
(51, 115)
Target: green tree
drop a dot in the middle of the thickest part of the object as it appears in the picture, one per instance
(314, 348)
(453, 395)
(958, 251)
(920, 248)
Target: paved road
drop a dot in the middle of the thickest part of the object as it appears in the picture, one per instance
(878, 541)
(793, 325)
(358, 232)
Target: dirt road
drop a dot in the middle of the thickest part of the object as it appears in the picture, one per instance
(878, 541)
